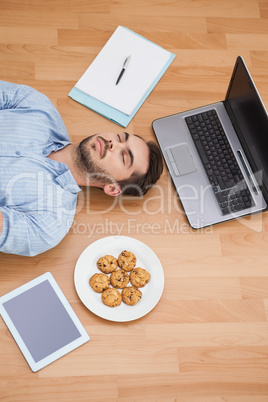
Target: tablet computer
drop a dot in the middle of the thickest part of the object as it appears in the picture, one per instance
(42, 321)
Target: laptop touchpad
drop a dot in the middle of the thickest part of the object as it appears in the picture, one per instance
(181, 159)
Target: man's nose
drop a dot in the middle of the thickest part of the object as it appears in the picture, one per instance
(115, 145)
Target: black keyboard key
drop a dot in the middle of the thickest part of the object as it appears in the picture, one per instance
(189, 120)
(220, 197)
(221, 183)
(230, 183)
(201, 151)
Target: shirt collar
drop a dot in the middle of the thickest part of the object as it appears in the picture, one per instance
(67, 181)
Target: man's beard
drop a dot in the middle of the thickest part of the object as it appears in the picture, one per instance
(87, 165)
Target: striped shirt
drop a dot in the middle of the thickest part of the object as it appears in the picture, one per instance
(37, 195)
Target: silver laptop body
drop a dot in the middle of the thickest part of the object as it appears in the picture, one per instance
(248, 139)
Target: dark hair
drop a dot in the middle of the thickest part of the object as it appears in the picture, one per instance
(138, 184)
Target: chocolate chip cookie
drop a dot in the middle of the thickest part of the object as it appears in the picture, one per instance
(111, 297)
(139, 277)
(131, 295)
(107, 264)
(119, 279)
(99, 282)
(127, 260)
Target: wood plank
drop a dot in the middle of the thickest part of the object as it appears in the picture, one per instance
(238, 25)
(244, 9)
(254, 41)
(254, 288)
(31, 35)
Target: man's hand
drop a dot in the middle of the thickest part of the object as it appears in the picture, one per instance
(1, 222)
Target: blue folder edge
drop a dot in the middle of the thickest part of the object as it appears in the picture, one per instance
(109, 112)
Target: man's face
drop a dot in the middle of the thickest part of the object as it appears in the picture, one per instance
(113, 155)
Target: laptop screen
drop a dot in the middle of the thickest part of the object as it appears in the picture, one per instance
(250, 119)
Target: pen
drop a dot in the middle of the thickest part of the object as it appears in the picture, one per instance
(125, 64)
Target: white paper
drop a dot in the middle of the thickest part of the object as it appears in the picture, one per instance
(147, 61)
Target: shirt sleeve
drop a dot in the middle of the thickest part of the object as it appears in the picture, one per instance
(31, 234)
(26, 99)
(13, 96)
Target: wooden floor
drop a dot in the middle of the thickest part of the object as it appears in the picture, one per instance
(207, 339)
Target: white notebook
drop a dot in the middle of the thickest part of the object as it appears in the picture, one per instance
(146, 62)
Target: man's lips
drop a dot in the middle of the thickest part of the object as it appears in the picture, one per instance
(100, 147)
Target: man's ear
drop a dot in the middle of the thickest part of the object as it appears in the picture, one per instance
(112, 189)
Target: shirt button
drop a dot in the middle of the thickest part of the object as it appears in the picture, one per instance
(17, 152)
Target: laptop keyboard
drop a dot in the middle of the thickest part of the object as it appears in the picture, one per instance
(222, 169)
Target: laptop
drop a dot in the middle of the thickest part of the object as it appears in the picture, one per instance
(217, 155)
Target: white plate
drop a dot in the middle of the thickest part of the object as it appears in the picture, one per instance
(146, 258)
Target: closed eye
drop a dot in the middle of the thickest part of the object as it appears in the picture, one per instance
(129, 153)
(127, 157)
(126, 135)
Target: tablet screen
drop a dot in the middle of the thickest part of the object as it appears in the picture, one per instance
(42, 321)
(45, 326)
